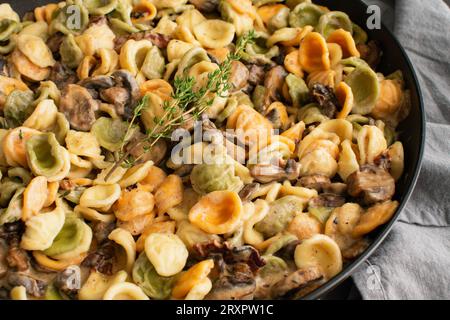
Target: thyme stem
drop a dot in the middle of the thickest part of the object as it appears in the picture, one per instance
(186, 103)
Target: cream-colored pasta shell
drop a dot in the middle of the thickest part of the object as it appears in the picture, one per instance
(83, 144)
(259, 209)
(97, 283)
(93, 215)
(103, 37)
(125, 291)
(126, 241)
(214, 33)
(177, 48)
(348, 163)
(82, 247)
(18, 293)
(342, 128)
(200, 290)
(34, 197)
(318, 162)
(135, 174)
(43, 116)
(167, 253)
(319, 251)
(35, 49)
(100, 196)
(371, 143)
(6, 12)
(132, 55)
(42, 229)
(115, 176)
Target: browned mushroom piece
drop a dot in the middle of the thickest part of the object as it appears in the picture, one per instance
(302, 279)
(17, 258)
(117, 96)
(126, 80)
(158, 39)
(54, 43)
(97, 83)
(266, 173)
(248, 190)
(33, 286)
(138, 150)
(68, 281)
(371, 53)
(101, 230)
(235, 269)
(236, 282)
(256, 74)
(273, 82)
(10, 235)
(206, 6)
(372, 183)
(355, 249)
(102, 259)
(329, 200)
(316, 181)
(383, 160)
(326, 98)
(62, 76)
(78, 106)
(238, 76)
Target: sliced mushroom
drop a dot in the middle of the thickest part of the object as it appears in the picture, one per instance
(117, 96)
(255, 74)
(101, 230)
(329, 200)
(371, 53)
(126, 80)
(206, 6)
(62, 75)
(317, 182)
(238, 75)
(79, 107)
(16, 257)
(383, 160)
(97, 83)
(372, 183)
(326, 98)
(157, 153)
(248, 190)
(297, 280)
(273, 82)
(237, 282)
(54, 43)
(266, 173)
(34, 287)
(102, 259)
(69, 281)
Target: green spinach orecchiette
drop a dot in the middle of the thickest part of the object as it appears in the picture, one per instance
(103, 176)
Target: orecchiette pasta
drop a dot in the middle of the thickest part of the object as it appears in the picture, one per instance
(174, 149)
(42, 229)
(166, 252)
(319, 251)
(100, 196)
(126, 241)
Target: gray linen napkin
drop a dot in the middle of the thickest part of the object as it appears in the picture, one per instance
(414, 260)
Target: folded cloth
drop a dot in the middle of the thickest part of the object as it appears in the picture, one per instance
(414, 260)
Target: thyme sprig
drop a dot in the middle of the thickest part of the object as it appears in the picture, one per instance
(186, 104)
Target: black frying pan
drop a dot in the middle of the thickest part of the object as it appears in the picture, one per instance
(412, 130)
